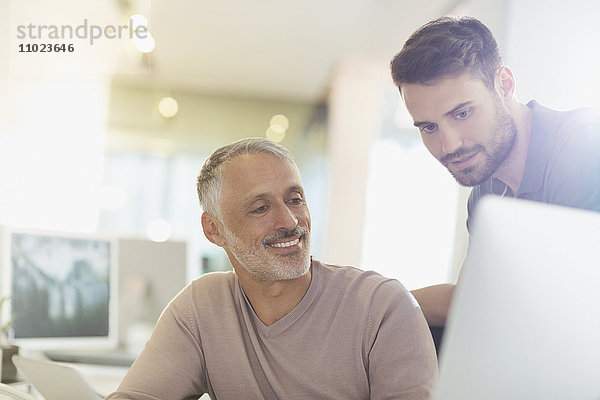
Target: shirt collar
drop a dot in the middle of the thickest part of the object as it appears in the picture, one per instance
(540, 137)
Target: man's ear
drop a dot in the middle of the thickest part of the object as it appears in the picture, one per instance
(505, 84)
(213, 229)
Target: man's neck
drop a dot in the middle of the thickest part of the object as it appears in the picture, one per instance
(272, 301)
(512, 169)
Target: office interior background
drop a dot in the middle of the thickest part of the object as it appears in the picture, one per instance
(100, 150)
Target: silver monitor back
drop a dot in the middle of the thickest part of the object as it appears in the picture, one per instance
(525, 319)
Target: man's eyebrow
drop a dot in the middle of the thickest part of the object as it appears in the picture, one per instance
(458, 107)
(263, 196)
(421, 123)
(296, 188)
(248, 202)
(452, 111)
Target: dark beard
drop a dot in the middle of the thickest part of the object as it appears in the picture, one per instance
(505, 137)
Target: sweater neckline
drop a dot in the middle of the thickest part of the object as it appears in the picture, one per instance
(288, 320)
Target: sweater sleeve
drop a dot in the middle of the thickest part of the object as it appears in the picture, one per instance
(402, 360)
(171, 366)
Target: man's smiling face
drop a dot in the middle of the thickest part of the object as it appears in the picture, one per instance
(265, 217)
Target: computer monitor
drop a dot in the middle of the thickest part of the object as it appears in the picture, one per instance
(62, 288)
(151, 274)
(525, 316)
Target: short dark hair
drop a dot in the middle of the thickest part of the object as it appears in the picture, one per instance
(447, 46)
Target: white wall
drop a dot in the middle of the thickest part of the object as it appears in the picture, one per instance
(52, 124)
(553, 48)
(354, 123)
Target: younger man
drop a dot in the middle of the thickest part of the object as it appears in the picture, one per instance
(462, 100)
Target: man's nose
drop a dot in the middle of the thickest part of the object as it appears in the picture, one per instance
(451, 139)
(286, 219)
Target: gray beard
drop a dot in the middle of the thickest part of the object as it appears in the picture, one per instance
(266, 267)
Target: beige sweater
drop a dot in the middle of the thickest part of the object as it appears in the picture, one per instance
(354, 335)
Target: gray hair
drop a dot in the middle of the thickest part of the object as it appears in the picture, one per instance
(208, 183)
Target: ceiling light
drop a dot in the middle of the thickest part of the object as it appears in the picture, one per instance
(159, 230)
(168, 107)
(279, 122)
(144, 44)
(137, 21)
(275, 135)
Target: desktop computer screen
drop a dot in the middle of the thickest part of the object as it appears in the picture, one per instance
(61, 288)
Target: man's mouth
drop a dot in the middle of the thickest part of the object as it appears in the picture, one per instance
(463, 160)
(285, 239)
(285, 244)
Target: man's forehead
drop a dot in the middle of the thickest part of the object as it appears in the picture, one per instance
(258, 175)
(439, 96)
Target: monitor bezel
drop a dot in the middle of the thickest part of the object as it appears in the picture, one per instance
(71, 342)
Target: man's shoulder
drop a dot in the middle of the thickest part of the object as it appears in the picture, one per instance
(575, 143)
(354, 289)
(214, 282)
(349, 278)
(215, 277)
(213, 287)
(336, 269)
(579, 127)
(347, 271)
(577, 122)
(583, 116)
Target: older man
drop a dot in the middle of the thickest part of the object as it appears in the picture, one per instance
(282, 325)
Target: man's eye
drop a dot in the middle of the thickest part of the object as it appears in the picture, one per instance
(296, 200)
(259, 210)
(429, 128)
(463, 114)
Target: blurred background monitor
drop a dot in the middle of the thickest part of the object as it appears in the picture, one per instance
(62, 288)
(150, 275)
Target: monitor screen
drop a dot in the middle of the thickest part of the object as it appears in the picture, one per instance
(61, 287)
